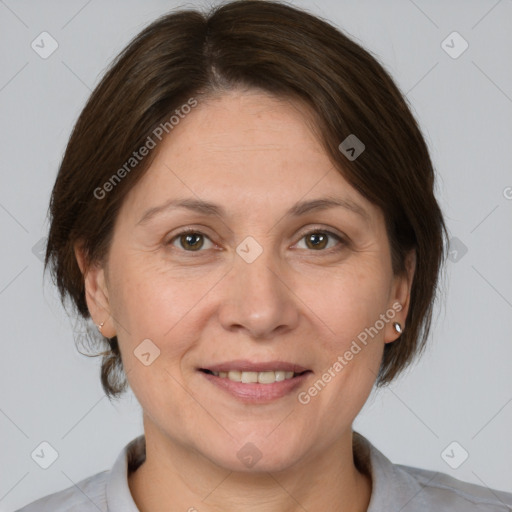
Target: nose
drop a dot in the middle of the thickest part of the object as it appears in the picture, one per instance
(257, 298)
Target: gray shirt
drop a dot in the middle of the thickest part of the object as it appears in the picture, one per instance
(395, 488)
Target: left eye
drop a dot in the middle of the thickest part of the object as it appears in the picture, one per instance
(318, 240)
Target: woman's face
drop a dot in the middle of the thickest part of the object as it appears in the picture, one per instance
(269, 279)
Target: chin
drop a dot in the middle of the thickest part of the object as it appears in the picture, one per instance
(256, 456)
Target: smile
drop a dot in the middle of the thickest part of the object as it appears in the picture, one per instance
(256, 386)
(268, 377)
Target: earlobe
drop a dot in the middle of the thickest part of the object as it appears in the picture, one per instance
(96, 292)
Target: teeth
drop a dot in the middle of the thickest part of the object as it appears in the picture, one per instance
(253, 377)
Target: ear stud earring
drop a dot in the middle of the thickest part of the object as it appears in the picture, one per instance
(100, 326)
(398, 327)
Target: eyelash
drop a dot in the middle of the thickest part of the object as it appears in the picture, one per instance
(330, 234)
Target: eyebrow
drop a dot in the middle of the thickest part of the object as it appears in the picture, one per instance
(211, 209)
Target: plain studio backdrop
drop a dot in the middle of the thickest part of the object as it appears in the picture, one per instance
(451, 412)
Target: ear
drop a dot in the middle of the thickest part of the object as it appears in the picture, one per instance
(400, 297)
(96, 292)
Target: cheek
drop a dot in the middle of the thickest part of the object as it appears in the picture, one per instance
(352, 345)
(350, 301)
(147, 303)
(150, 311)
(155, 301)
(351, 348)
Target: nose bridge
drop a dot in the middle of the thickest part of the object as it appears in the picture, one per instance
(258, 299)
(253, 267)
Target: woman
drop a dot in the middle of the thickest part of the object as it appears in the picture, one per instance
(245, 209)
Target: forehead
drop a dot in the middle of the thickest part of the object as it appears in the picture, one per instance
(242, 150)
(241, 126)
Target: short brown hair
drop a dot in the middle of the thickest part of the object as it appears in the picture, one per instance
(287, 52)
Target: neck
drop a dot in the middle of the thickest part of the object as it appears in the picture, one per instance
(176, 478)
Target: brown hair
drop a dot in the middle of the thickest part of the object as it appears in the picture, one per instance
(289, 53)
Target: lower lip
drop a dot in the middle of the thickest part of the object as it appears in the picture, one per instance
(255, 392)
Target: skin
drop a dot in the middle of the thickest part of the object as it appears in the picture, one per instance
(256, 156)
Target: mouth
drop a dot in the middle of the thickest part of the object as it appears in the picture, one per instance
(256, 382)
(265, 377)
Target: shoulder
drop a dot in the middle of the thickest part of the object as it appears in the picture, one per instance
(87, 495)
(440, 491)
(411, 489)
(106, 490)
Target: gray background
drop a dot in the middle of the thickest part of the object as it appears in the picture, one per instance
(461, 390)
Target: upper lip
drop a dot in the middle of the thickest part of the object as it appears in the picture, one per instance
(243, 365)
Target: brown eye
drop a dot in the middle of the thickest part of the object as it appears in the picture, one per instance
(319, 240)
(190, 241)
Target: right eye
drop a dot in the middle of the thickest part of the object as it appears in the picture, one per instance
(189, 240)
